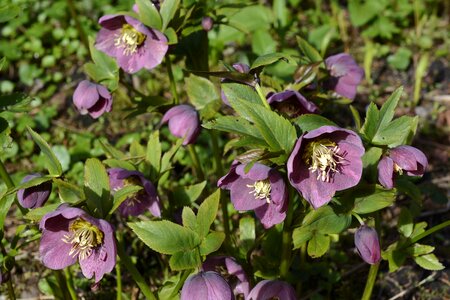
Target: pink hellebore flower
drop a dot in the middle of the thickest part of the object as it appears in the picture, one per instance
(325, 160)
(401, 160)
(69, 235)
(35, 196)
(183, 122)
(131, 43)
(206, 286)
(291, 103)
(367, 244)
(261, 189)
(272, 289)
(345, 74)
(93, 99)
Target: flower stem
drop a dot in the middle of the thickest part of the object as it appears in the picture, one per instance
(10, 184)
(286, 247)
(173, 85)
(118, 282)
(180, 283)
(196, 162)
(140, 281)
(62, 283)
(69, 283)
(370, 281)
(261, 96)
(361, 222)
(430, 231)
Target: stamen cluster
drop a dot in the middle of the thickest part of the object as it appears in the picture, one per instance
(323, 158)
(84, 237)
(261, 190)
(129, 39)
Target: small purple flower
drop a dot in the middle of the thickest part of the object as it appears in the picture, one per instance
(93, 99)
(145, 199)
(206, 286)
(272, 289)
(183, 122)
(367, 244)
(70, 234)
(291, 103)
(238, 67)
(233, 272)
(35, 196)
(401, 160)
(207, 23)
(325, 160)
(261, 189)
(345, 74)
(134, 45)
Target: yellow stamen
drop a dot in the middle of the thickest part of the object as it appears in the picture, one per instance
(322, 157)
(398, 169)
(261, 189)
(129, 39)
(83, 236)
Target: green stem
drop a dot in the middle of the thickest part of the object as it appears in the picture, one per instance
(196, 162)
(180, 283)
(69, 283)
(261, 96)
(73, 13)
(10, 184)
(118, 282)
(137, 277)
(361, 222)
(286, 247)
(370, 281)
(62, 284)
(430, 231)
(132, 88)
(173, 85)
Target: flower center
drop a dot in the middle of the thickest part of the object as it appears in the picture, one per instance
(134, 199)
(323, 157)
(398, 169)
(129, 39)
(84, 237)
(261, 189)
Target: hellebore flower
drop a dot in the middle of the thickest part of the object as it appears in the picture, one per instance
(206, 286)
(93, 99)
(367, 244)
(262, 189)
(291, 103)
(70, 234)
(325, 160)
(143, 200)
(238, 67)
(233, 272)
(272, 289)
(401, 160)
(131, 43)
(183, 122)
(345, 74)
(35, 196)
(207, 23)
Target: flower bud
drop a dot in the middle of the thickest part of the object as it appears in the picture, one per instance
(35, 196)
(206, 286)
(367, 244)
(93, 99)
(183, 122)
(207, 23)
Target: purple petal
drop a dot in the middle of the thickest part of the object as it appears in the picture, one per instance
(54, 252)
(409, 159)
(386, 172)
(257, 172)
(366, 241)
(242, 196)
(206, 286)
(269, 289)
(269, 215)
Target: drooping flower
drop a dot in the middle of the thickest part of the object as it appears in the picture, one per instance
(207, 23)
(206, 286)
(325, 160)
(261, 189)
(239, 67)
(131, 43)
(233, 273)
(143, 200)
(401, 160)
(272, 289)
(93, 99)
(291, 103)
(70, 234)
(367, 244)
(345, 74)
(184, 122)
(35, 196)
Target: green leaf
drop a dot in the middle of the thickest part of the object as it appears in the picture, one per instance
(405, 222)
(247, 234)
(395, 133)
(370, 126)
(395, 257)
(310, 122)
(189, 218)
(122, 194)
(149, 15)
(356, 117)
(419, 249)
(167, 11)
(326, 221)
(301, 235)
(166, 160)
(387, 111)
(237, 125)
(188, 194)
(318, 245)
(309, 51)
(200, 91)
(371, 198)
(9, 12)
(419, 228)
(36, 214)
(68, 192)
(110, 150)
(207, 213)
(263, 43)
(400, 60)
(370, 161)
(102, 60)
(240, 91)
(188, 259)
(53, 166)
(154, 153)
(429, 262)
(212, 242)
(166, 237)
(96, 187)
(5, 204)
(116, 163)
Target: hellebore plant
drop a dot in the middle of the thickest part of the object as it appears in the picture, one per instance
(325, 160)
(272, 289)
(131, 43)
(93, 99)
(144, 200)
(401, 160)
(261, 189)
(35, 196)
(367, 244)
(291, 103)
(345, 73)
(69, 235)
(183, 122)
(206, 286)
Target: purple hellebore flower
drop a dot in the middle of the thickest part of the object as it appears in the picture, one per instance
(291, 103)
(367, 244)
(183, 122)
(93, 99)
(70, 234)
(238, 67)
(345, 74)
(272, 289)
(145, 199)
(35, 196)
(402, 160)
(207, 23)
(206, 286)
(261, 189)
(233, 272)
(134, 45)
(325, 160)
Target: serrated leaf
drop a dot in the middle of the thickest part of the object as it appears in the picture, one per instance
(188, 194)
(429, 262)
(371, 198)
(207, 213)
(310, 122)
(154, 153)
(419, 228)
(5, 204)
(370, 127)
(68, 192)
(116, 163)
(36, 214)
(212, 242)
(405, 222)
(242, 92)
(301, 235)
(269, 59)
(395, 133)
(200, 91)
(167, 11)
(110, 150)
(419, 249)
(148, 14)
(166, 237)
(237, 125)
(122, 194)
(33, 182)
(318, 245)
(53, 166)
(96, 187)
(395, 257)
(188, 259)
(326, 221)
(189, 218)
